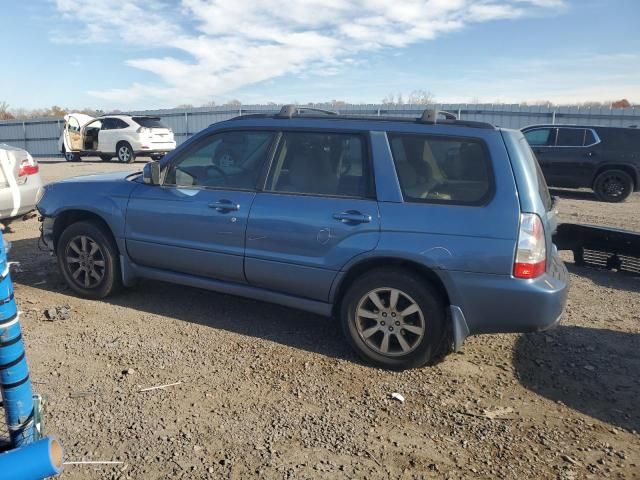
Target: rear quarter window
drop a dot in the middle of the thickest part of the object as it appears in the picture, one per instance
(543, 189)
(436, 169)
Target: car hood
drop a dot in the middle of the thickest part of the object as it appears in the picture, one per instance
(99, 177)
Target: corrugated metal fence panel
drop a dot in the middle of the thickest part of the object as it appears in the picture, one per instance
(40, 136)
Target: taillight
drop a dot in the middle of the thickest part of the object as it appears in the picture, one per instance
(143, 130)
(28, 166)
(531, 257)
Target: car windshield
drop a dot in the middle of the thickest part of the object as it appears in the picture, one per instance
(149, 122)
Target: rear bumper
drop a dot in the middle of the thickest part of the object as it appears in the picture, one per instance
(503, 304)
(28, 194)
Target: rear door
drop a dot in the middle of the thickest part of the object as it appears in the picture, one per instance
(316, 213)
(571, 158)
(195, 222)
(110, 134)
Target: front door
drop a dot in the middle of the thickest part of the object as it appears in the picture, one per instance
(195, 222)
(317, 212)
(73, 135)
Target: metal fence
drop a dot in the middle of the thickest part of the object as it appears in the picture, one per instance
(40, 136)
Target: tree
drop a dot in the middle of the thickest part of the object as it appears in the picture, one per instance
(624, 103)
(233, 103)
(389, 99)
(420, 97)
(5, 114)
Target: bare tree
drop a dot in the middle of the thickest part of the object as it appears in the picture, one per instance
(389, 99)
(5, 114)
(233, 103)
(420, 97)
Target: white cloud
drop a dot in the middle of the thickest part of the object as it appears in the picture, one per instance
(219, 46)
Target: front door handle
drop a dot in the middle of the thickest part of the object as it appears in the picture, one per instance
(225, 206)
(352, 217)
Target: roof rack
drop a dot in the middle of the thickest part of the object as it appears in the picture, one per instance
(431, 116)
(290, 111)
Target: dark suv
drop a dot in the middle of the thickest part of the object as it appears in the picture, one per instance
(605, 159)
(414, 232)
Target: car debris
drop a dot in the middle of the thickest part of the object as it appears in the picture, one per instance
(397, 396)
(602, 247)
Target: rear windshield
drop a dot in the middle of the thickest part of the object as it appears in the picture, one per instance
(543, 190)
(149, 122)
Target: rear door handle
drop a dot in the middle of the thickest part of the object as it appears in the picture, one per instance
(225, 206)
(352, 217)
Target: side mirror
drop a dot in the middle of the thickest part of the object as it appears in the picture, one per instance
(151, 173)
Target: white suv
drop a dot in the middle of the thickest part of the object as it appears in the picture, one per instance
(121, 136)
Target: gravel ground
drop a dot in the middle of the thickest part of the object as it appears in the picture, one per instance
(271, 392)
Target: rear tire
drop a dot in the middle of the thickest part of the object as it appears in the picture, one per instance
(613, 186)
(106, 158)
(125, 153)
(394, 319)
(88, 260)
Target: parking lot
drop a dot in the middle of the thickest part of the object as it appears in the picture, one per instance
(262, 390)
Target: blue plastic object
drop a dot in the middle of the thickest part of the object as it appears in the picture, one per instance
(35, 461)
(15, 385)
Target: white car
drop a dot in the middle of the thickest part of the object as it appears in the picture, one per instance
(20, 182)
(108, 136)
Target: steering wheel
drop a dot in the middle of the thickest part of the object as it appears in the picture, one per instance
(223, 175)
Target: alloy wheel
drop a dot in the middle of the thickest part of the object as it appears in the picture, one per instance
(390, 322)
(124, 154)
(85, 261)
(613, 186)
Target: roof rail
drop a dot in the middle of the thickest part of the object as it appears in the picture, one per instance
(290, 111)
(431, 116)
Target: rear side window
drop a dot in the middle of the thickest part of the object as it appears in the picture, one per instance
(442, 169)
(149, 122)
(570, 137)
(331, 164)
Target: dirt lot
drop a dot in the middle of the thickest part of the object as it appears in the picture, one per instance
(271, 392)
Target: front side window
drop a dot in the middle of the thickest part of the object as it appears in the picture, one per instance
(229, 160)
(540, 137)
(73, 125)
(441, 169)
(332, 164)
(570, 137)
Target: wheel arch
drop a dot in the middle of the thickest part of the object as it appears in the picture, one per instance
(68, 217)
(630, 169)
(368, 264)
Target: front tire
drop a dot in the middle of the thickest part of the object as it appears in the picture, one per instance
(72, 156)
(613, 186)
(125, 153)
(106, 158)
(88, 260)
(394, 319)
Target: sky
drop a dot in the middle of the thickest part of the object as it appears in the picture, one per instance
(146, 54)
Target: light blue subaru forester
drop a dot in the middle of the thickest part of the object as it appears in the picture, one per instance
(414, 232)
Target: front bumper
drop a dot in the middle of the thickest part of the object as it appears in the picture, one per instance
(46, 232)
(503, 304)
